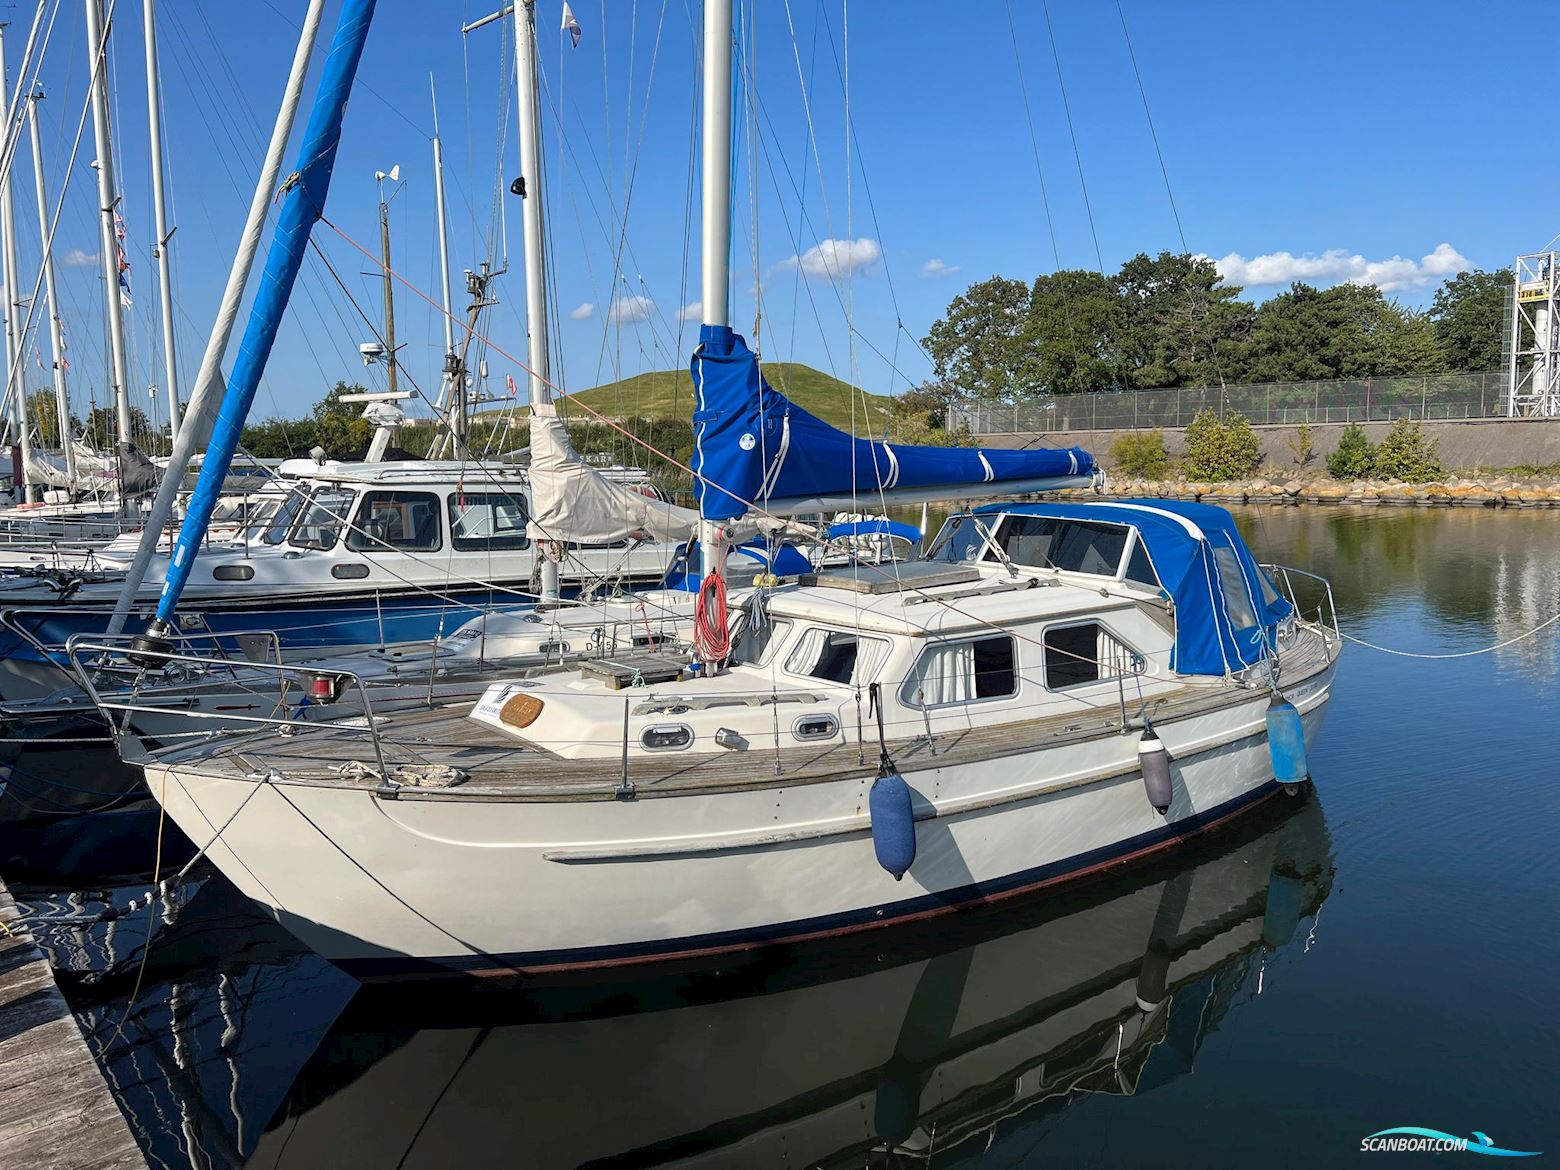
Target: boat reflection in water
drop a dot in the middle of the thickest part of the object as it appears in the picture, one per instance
(926, 1049)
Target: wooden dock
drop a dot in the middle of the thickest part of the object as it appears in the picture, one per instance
(56, 1112)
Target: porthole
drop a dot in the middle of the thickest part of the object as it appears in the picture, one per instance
(666, 737)
(233, 572)
(349, 572)
(810, 727)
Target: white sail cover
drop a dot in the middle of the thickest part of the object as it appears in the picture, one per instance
(572, 501)
(95, 470)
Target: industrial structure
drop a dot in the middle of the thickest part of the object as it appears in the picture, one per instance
(1533, 342)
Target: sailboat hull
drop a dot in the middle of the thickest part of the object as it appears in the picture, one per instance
(490, 886)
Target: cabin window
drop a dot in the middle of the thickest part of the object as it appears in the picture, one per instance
(963, 672)
(1140, 568)
(349, 572)
(959, 541)
(837, 656)
(755, 638)
(398, 520)
(1087, 653)
(233, 573)
(322, 521)
(1076, 546)
(286, 513)
(488, 521)
(1237, 594)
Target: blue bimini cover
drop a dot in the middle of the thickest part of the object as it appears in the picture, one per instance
(1226, 609)
(753, 446)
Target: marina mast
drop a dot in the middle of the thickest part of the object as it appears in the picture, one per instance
(13, 341)
(159, 211)
(108, 204)
(50, 297)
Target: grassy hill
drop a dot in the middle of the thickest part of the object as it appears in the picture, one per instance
(668, 394)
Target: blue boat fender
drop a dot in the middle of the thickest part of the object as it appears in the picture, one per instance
(888, 804)
(1286, 742)
(893, 824)
(1154, 761)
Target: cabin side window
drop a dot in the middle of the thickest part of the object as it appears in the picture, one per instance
(488, 521)
(755, 637)
(1075, 546)
(398, 520)
(322, 521)
(963, 672)
(840, 656)
(1086, 653)
(286, 513)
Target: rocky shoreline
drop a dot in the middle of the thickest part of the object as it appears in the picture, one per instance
(1453, 492)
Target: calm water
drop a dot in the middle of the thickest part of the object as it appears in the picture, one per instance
(1380, 954)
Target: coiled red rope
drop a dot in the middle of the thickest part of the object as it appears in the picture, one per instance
(711, 629)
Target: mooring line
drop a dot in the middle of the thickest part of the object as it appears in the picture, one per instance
(1461, 653)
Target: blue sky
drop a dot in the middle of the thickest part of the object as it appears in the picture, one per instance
(1328, 141)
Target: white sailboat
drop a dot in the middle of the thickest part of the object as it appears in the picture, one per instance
(1056, 688)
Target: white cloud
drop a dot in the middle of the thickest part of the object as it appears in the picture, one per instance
(833, 259)
(78, 258)
(692, 311)
(1338, 265)
(629, 310)
(935, 269)
(583, 312)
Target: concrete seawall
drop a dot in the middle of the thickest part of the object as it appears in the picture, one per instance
(1463, 443)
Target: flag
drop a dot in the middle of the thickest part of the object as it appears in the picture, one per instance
(510, 378)
(38, 357)
(570, 25)
(124, 264)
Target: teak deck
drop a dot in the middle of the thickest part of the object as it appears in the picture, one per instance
(56, 1112)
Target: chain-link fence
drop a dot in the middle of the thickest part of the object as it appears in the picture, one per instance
(1437, 396)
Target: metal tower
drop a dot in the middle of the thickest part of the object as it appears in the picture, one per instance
(1533, 370)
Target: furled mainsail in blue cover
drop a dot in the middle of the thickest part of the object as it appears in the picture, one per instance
(303, 201)
(753, 446)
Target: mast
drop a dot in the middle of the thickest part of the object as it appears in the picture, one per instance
(50, 298)
(715, 283)
(444, 232)
(14, 364)
(531, 217)
(108, 202)
(209, 384)
(159, 211)
(303, 202)
(384, 253)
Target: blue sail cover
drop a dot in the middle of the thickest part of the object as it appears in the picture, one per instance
(1226, 610)
(754, 447)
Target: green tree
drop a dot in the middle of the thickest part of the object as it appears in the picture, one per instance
(1469, 314)
(1181, 326)
(1347, 331)
(44, 420)
(1354, 457)
(102, 428)
(1407, 453)
(979, 347)
(1221, 448)
(1073, 340)
(339, 426)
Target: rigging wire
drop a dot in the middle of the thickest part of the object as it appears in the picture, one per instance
(1056, 56)
(1152, 133)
